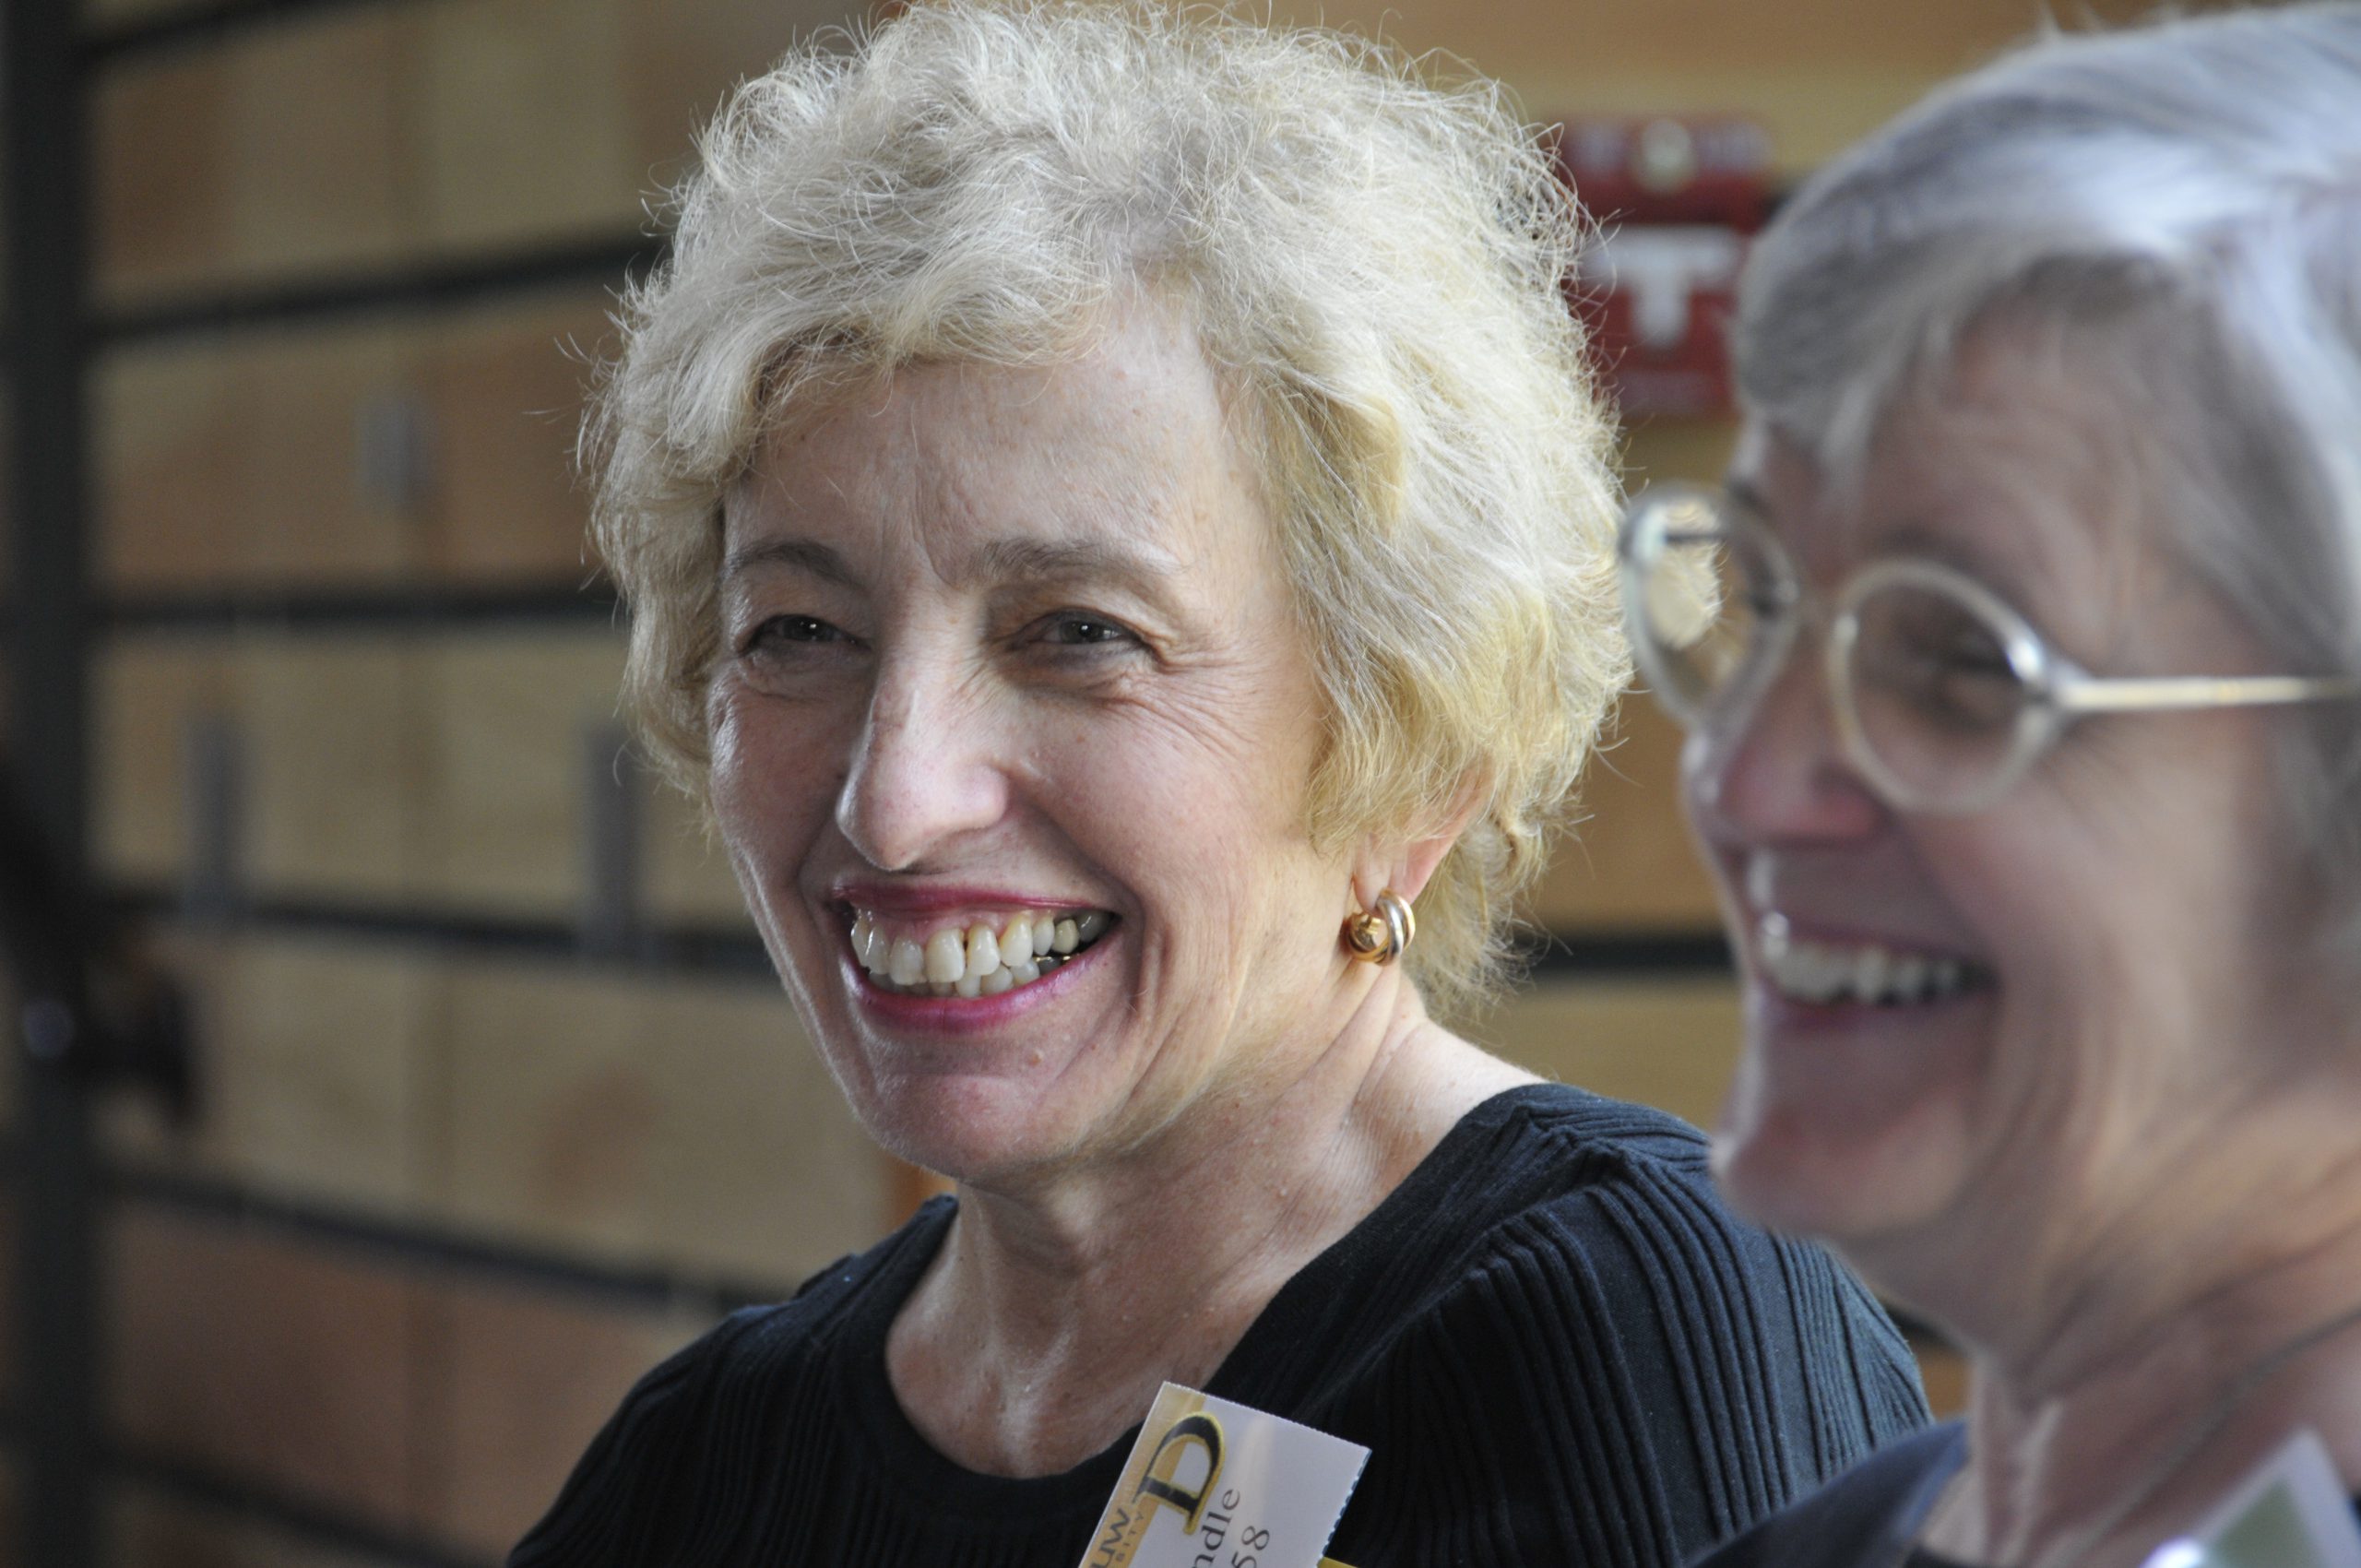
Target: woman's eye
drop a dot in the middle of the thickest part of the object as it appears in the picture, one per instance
(1075, 630)
(781, 629)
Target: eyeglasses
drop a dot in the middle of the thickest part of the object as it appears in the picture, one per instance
(1943, 695)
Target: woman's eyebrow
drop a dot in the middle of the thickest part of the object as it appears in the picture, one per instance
(1002, 561)
(800, 554)
(1016, 560)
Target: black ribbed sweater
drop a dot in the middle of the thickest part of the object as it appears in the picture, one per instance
(1559, 1345)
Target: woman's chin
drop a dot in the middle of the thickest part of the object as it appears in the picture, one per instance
(970, 1127)
(1800, 1181)
(964, 1086)
(1847, 1168)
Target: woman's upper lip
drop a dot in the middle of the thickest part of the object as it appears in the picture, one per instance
(1839, 931)
(1837, 900)
(909, 898)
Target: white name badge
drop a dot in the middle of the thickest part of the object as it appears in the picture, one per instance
(1211, 1484)
(2290, 1512)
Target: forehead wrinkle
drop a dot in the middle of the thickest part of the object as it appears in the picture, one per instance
(1068, 505)
(2003, 496)
(1068, 560)
(802, 480)
(994, 475)
(803, 555)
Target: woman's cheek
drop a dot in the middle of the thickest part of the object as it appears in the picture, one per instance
(733, 743)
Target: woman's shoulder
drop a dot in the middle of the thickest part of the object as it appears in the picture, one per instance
(1546, 1193)
(1547, 1184)
(1863, 1518)
(1557, 1155)
(1585, 1306)
(1554, 1166)
(775, 1369)
(1566, 1120)
(1609, 1210)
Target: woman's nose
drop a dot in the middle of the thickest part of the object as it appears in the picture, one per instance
(930, 767)
(1774, 769)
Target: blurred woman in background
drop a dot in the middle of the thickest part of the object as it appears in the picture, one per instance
(1113, 511)
(2022, 666)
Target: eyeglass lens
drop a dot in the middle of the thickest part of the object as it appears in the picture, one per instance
(1933, 693)
(1939, 702)
(1704, 597)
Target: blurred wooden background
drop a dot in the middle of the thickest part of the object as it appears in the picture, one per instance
(498, 1101)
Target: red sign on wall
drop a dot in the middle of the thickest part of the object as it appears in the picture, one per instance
(1676, 200)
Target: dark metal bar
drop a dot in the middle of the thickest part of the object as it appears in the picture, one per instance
(41, 99)
(613, 788)
(422, 1247)
(311, 1522)
(432, 284)
(402, 609)
(213, 763)
(1566, 955)
(202, 26)
(677, 949)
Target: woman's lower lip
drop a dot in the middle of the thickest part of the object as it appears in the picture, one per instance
(951, 1015)
(1851, 1014)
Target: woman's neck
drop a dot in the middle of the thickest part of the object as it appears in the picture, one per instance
(2091, 1459)
(1055, 1310)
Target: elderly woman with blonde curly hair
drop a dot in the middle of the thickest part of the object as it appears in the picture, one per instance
(1114, 513)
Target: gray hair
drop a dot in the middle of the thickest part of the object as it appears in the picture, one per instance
(1374, 266)
(2183, 202)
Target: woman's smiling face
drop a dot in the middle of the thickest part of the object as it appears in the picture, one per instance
(2121, 915)
(1011, 662)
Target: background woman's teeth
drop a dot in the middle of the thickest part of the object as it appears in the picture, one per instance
(1871, 969)
(969, 986)
(1064, 937)
(1815, 972)
(1017, 941)
(997, 982)
(908, 964)
(946, 958)
(983, 951)
(1026, 972)
(1088, 924)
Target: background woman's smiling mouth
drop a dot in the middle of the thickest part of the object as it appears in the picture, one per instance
(1828, 973)
(981, 955)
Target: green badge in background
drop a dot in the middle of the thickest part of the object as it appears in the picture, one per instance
(2290, 1512)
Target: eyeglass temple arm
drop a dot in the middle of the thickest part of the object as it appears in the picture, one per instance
(2095, 693)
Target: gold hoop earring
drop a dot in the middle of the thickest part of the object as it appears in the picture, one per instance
(1381, 934)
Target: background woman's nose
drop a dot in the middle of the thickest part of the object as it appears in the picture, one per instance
(1775, 768)
(927, 769)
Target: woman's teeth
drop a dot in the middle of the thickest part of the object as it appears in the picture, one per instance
(1825, 972)
(982, 959)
